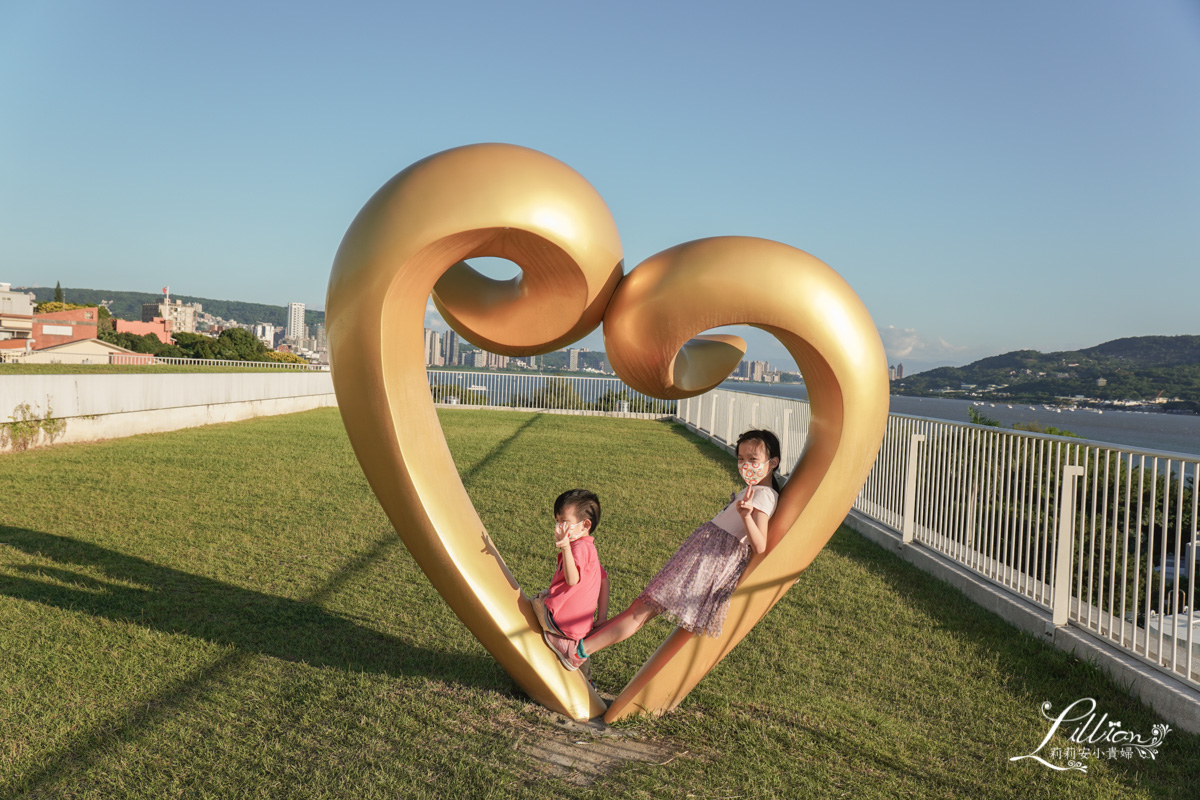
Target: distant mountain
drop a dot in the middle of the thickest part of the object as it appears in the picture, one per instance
(1136, 368)
(128, 305)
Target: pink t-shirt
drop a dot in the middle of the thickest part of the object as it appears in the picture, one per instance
(574, 607)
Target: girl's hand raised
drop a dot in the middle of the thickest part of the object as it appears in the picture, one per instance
(745, 505)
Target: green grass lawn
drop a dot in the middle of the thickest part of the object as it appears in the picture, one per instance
(225, 612)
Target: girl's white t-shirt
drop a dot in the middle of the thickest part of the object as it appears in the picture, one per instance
(730, 521)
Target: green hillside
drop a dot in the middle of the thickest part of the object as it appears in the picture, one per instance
(1136, 368)
(128, 305)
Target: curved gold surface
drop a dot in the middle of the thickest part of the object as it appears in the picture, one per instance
(708, 283)
(406, 242)
(409, 241)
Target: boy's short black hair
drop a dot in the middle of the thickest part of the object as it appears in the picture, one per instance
(585, 503)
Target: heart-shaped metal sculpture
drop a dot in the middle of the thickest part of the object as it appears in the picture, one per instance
(648, 335)
(411, 238)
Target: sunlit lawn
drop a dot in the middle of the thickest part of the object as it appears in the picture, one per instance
(225, 612)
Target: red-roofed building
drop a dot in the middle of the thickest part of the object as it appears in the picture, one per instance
(59, 327)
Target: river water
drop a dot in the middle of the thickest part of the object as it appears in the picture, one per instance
(1174, 433)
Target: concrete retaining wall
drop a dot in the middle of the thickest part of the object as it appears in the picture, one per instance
(109, 406)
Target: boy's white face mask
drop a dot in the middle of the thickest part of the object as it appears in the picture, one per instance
(572, 531)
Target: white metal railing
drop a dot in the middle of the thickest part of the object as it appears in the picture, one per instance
(146, 358)
(572, 393)
(1105, 537)
(725, 414)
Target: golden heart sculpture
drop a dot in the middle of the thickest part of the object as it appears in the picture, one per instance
(410, 240)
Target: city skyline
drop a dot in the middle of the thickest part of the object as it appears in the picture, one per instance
(987, 179)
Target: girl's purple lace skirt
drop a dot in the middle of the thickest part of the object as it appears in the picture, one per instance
(694, 586)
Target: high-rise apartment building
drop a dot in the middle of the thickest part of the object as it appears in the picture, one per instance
(573, 359)
(899, 372)
(450, 348)
(295, 322)
(265, 333)
(433, 349)
(482, 359)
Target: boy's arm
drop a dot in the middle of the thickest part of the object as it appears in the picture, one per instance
(602, 605)
(570, 570)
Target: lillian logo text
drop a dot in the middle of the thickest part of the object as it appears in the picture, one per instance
(1091, 737)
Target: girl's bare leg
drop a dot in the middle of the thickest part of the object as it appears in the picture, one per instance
(620, 627)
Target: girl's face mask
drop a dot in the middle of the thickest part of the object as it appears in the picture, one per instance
(753, 473)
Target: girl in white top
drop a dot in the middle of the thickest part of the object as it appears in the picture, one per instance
(694, 586)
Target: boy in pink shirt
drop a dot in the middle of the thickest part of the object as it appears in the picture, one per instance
(578, 592)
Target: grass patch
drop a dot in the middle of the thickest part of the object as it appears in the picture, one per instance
(225, 612)
(121, 369)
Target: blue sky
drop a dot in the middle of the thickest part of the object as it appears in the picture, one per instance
(987, 177)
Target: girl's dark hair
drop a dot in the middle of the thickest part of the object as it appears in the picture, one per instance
(585, 503)
(769, 441)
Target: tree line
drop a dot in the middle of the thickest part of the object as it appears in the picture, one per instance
(128, 305)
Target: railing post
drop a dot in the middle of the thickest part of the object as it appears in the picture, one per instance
(1060, 604)
(786, 465)
(729, 424)
(910, 489)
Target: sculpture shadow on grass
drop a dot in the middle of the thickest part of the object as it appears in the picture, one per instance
(177, 602)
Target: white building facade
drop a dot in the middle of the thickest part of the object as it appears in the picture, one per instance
(295, 321)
